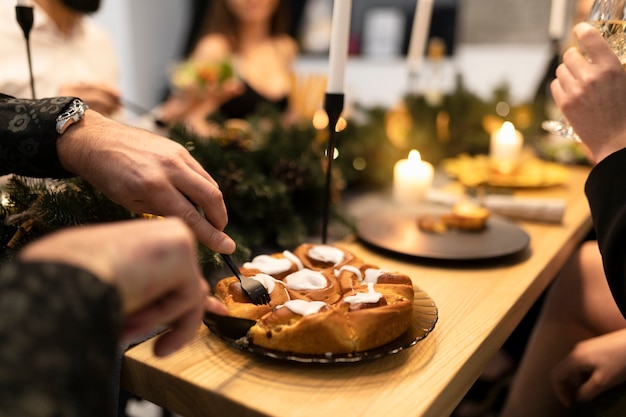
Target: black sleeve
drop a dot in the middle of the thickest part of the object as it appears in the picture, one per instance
(58, 341)
(28, 136)
(606, 192)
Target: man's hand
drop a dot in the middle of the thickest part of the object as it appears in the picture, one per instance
(146, 173)
(153, 266)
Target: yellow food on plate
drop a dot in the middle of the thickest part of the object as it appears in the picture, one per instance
(530, 172)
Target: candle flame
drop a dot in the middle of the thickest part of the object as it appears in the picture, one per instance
(414, 156)
(507, 132)
(508, 128)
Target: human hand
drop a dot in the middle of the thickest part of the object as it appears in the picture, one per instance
(146, 173)
(191, 107)
(101, 98)
(591, 92)
(591, 368)
(153, 266)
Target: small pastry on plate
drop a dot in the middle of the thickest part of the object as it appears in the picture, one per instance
(466, 215)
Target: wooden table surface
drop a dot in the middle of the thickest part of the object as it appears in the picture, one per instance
(479, 306)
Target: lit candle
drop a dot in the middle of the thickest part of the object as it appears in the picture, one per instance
(338, 52)
(557, 19)
(505, 146)
(412, 178)
(419, 34)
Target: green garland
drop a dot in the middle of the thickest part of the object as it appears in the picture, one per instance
(272, 179)
(34, 207)
(271, 173)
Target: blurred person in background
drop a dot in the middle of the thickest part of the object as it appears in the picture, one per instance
(253, 37)
(71, 54)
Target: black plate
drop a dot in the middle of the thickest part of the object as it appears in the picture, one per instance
(399, 233)
(425, 317)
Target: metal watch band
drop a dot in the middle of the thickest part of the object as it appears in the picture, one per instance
(74, 112)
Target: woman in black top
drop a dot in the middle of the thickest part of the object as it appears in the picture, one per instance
(255, 39)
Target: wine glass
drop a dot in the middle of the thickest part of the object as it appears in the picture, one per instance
(608, 16)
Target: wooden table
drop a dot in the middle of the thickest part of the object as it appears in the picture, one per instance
(479, 307)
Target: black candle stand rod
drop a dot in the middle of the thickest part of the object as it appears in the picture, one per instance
(24, 16)
(333, 105)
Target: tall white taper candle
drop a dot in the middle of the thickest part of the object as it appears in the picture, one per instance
(338, 53)
(557, 19)
(419, 34)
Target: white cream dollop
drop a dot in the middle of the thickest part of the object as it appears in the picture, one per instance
(372, 275)
(306, 279)
(368, 297)
(326, 253)
(268, 282)
(293, 258)
(269, 264)
(303, 307)
(356, 271)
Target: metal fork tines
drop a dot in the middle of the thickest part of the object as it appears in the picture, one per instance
(255, 290)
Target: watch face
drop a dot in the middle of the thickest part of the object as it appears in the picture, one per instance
(74, 113)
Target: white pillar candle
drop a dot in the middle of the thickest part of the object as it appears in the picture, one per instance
(557, 19)
(412, 178)
(419, 34)
(338, 51)
(506, 144)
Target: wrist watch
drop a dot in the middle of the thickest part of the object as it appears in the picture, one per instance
(72, 114)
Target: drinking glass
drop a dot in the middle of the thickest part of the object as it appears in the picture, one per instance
(608, 16)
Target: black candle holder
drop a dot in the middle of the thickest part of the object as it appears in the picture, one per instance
(333, 104)
(25, 18)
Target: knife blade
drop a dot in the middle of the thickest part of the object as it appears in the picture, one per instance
(228, 326)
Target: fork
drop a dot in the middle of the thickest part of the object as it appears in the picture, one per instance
(255, 290)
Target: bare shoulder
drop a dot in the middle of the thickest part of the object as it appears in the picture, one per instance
(287, 46)
(211, 47)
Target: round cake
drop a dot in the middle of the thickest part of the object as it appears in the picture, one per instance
(323, 300)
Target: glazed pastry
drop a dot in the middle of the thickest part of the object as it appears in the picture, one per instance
(464, 216)
(332, 302)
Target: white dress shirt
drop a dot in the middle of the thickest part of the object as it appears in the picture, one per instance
(86, 55)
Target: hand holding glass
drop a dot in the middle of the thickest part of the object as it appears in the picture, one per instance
(608, 16)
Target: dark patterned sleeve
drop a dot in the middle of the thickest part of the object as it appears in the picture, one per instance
(606, 193)
(58, 341)
(28, 136)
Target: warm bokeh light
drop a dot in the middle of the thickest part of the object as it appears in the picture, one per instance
(503, 109)
(398, 125)
(320, 121)
(359, 163)
(335, 153)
